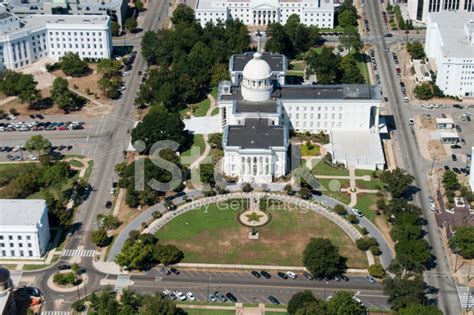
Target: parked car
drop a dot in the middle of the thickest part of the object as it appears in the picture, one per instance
(265, 274)
(282, 275)
(291, 274)
(256, 274)
(108, 204)
(175, 271)
(221, 297)
(273, 300)
(211, 297)
(370, 279)
(357, 212)
(180, 295)
(458, 128)
(165, 271)
(32, 157)
(455, 146)
(344, 277)
(64, 267)
(231, 297)
(453, 157)
(190, 296)
(308, 276)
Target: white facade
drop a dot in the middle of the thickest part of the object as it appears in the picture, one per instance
(419, 10)
(256, 120)
(450, 42)
(116, 8)
(24, 228)
(263, 12)
(471, 175)
(25, 41)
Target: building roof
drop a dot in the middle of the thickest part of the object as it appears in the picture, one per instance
(257, 68)
(276, 62)
(452, 30)
(15, 212)
(317, 92)
(39, 20)
(444, 121)
(256, 134)
(253, 107)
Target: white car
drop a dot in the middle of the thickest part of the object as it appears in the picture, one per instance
(405, 99)
(291, 274)
(190, 296)
(180, 295)
(411, 121)
(357, 212)
(12, 117)
(32, 157)
(329, 298)
(166, 292)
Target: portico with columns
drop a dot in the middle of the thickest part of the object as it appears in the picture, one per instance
(264, 15)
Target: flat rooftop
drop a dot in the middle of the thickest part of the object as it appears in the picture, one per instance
(256, 134)
(451, 27)
(39, 20)
(317, 92)
(260, 107)
(15, 212)
(276, 62)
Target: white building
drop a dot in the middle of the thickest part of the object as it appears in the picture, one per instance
(471, 175)
(24, 228)
(257, 112)
(263, 12)
(113, 8)
(450, 42)
(419, 10)
(24, 41)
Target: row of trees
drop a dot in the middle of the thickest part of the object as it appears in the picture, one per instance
(331, 68)
(305, 303)
(292, 38)
(111, 79)
(188, 57)
(142, 250)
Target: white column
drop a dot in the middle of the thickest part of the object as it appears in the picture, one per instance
(376, 120)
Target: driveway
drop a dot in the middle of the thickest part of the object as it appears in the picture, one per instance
(203, 125)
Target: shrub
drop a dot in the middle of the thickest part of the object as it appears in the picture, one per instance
(246, 187)
(340, 209)
(156, 215)
(365, 243)
(364, 231)
(352, 219)
(377, 271)
(375, 250)
(13, 111)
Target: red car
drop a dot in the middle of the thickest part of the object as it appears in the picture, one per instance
(62, 128)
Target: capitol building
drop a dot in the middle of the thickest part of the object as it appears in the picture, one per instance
(257, 110)
(319, 13)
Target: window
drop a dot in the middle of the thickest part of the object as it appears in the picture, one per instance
(1, 237)
(30, 253)
(10, 237)
(28, 237)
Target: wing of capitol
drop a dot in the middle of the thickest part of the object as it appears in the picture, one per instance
(257, 112)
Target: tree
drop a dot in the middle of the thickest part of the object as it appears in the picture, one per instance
(463, 241)
(61, 94)
(115, 28)
(104, 302)
(158, 304)
(414, 254)
(415, 49)
(39, 144)
(183, 15)
(299, 300)
(350, 39)
(350, 72)
(377, 271)
(322, 258)
(73, 65)
(100, 237)
(139, 5)
(131, 25)
(21, 85)
(342, 303)
(135, 255)
(347, 18)
(404, 291)
(109, 68)
(407, 226)
(279, 41)
(324, 65)
(159, 124)
(340, 209)
(418, 309)
(311, 308)
(108, 222)
(365, 243)
(246, 187)
(396, 181)
(207, 173)
(215, 140)
(291, 25)
(352, 219)
(167, 254)
(423, 91)
(219, 72)
(450, 181)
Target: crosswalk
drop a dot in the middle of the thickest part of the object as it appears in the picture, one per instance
(16, 275)
(56, 313)
(122, 282)
(464, 298)
(79, 253)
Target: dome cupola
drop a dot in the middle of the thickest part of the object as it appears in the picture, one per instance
(257, 80)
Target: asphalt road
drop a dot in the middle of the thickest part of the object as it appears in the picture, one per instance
(440, 276)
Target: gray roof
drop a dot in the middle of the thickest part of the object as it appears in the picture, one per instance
(453, 35)
(317, 92)
(275, 61)
(256, 134)
(253, 107)
(21, 211)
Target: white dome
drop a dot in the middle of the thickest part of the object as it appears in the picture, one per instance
(257, 69)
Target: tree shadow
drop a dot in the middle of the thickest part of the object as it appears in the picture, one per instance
(42, 104)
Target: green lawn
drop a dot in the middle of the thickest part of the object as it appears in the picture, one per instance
(214, 235)
(366, 203)
(322, 168)
(298, 65)
(305, 151)
(76, 163)
(331, 189)
(198, 141)
(374, 183)
(88, 172)
(201, 108)
(8, 171)
(34, 267)
(359, 172)
(193, 311)
(215, 111)
(364, 71)
(214, 92)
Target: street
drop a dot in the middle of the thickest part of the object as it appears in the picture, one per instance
(410, 160)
